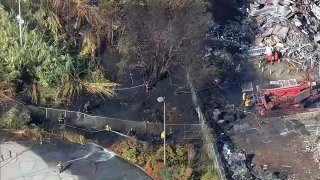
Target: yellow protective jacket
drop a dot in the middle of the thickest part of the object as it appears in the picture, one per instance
(247, 103)
(162, 135)
(60, 165)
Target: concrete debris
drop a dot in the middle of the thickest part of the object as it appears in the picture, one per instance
(317, 38)
(236, 161)
(240, 166)
(289, 27)
(316, 11)
(293, 24)
(257, 51)
(264, 11)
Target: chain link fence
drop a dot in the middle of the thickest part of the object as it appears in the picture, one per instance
(209, 139)
(142, 129)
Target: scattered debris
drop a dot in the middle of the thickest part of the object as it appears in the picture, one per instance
(312, 143)
(292, 25)
(236, 161)
(289, 27)
(280, 29)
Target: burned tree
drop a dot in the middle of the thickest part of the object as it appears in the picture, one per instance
(159, 35)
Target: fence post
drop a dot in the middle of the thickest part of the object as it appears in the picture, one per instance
(46, 114)
(145, 128)
(184, 131)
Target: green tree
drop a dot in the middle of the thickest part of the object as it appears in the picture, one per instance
(44, 63)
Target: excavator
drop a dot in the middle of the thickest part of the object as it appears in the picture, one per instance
(275, 96)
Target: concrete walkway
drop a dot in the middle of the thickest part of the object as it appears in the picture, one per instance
(88, 162)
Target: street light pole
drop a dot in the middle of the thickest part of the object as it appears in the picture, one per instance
(20, 21)
(161, 99)
(164, 130)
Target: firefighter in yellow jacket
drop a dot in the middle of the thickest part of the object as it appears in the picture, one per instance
(163, 134)
(247, 103)
(60, 166)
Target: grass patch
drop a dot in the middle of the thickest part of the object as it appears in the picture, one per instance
(44, 136)
(36, 133)
(210, 174)
(73, 137)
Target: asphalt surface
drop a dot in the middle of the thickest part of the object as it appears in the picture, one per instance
(89, 162)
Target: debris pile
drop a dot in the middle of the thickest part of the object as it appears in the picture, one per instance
(236, 162)
(290, 27)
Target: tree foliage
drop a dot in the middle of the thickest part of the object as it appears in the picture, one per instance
(210, 174)
(46, 64)
(17, 117)
(151, 158)
(63, 41)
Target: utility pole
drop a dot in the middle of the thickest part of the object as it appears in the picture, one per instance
(160, 100)
(20, 21)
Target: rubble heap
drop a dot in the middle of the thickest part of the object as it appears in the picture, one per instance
(289, 26)
(236, 161)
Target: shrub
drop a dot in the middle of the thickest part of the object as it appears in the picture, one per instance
(177, 167)
(191, 153)
(73, 137)
(180, 156)
(152, 169)
(15, 118)
(180, 172)
(133, 151)
(211, 174)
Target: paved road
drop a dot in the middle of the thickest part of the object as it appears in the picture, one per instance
(82, 163)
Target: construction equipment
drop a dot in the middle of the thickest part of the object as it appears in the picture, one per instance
(273, 57)
(275, 96)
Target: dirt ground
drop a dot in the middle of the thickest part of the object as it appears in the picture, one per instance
(281, 70)
(275, 141)
(276, 144)
(292, 161)
(138, 105)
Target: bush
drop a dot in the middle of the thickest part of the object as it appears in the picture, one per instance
(152, 169)
(178, 158)
(15, 118)
(133, 151)
(73, 137)
(191, 153)
(181, 172)
(211, 174)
